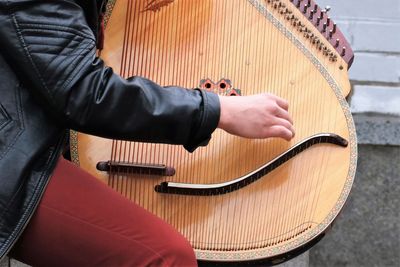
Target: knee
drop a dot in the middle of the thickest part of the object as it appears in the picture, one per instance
(178, 252)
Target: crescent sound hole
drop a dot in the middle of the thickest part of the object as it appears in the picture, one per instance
(235, 199)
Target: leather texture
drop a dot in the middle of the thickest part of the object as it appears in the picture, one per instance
(52, 81)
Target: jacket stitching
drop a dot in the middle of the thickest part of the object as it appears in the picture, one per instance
(6, 116)
(58, 54)
(21, 120)
(42, 33)
(33, 43)
(28, 55)
(71, 75)
(3, 125)
(50, 37)
(79, 64)
(52, 27)
(73, 66)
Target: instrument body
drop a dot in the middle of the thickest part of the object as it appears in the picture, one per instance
(253, 48)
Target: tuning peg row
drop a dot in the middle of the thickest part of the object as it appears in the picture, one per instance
(322, 22)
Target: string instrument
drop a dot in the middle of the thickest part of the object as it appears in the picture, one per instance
(236, 199)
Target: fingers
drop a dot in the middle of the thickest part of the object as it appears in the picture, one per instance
(281, 108)
(280, 131)
(283, 127)
(284, 114)
(288, 125)
(257, 116)
(282, 103)
(282, 124)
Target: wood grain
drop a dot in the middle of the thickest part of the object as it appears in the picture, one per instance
(187, 41)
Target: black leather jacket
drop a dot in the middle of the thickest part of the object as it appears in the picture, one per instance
(51, 81)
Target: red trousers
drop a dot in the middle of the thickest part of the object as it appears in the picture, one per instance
(82, 222)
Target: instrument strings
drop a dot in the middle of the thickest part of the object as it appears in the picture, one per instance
(274, 209)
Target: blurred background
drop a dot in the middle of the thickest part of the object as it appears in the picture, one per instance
(367, 232)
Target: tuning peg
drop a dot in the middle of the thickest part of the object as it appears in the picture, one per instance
(305, 8)
(337, 42)
(327, 9)
(343, 51)
(324, 27)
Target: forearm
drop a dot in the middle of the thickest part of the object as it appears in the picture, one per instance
(139, 109)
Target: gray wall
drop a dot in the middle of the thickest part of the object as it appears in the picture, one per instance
(367, 233)
(373, 29)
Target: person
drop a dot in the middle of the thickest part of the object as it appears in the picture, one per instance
(52, 212)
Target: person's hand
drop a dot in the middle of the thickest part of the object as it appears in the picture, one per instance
(256, 116)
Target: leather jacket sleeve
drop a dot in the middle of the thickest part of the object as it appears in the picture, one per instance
(51, 47)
